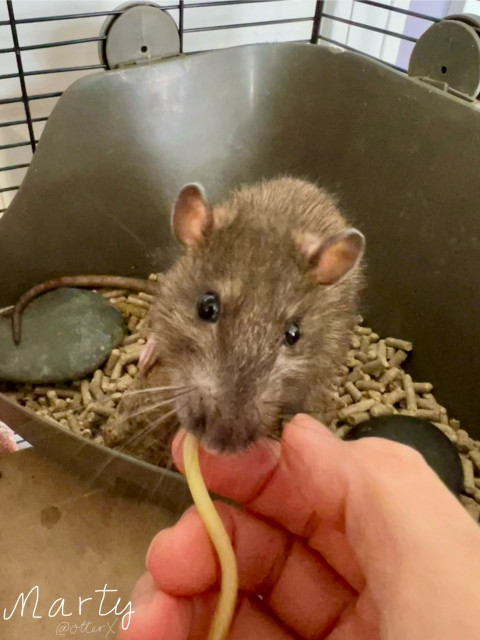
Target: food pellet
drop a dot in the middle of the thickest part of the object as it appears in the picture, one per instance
(355, 342)
(428, 414)
(468, 475)
(373, 366)
(370, 385)
(143, 304)
(364, 343)
(353, 391)
(358, 407)
(346, 399)
(101, 409)
(394, 396)
(464, 442)
(410, 396)
(105, 384)
(363, 357)
(357, 418)
(398, 358)
(96, 391)
(355, 375)
(390, 352)
(116, 293)
(111, 362)
(362, 331)
(422, 387)
(381, 410)
(426, 403)
(132, 357)
(132, 323)
(85, 391)
(123, 383)
(389, 376)
(73, 423)
(404, 345)
(382, 353)
(132, 370)
(117, 371)
(52, 398)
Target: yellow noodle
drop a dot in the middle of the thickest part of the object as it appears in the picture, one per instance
(219, 537)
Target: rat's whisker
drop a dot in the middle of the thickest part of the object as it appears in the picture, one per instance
(152, 407)
(146, 430)
(143, 433)
(155, 389)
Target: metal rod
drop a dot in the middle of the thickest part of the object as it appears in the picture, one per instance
(247, 24)
(12, 167)
(62, 43)
(181, 16)
(316, 21)
(405, 12)
(38, 96)
(369, 27)
(90, 14)
(59, 70)
(70, 16)
(345, 46)
(23, 86)
(14, 145)
(224, 3)
(14, 123)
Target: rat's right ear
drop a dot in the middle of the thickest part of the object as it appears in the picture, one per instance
(192, 216)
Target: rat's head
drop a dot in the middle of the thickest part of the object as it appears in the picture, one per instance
(249, 324)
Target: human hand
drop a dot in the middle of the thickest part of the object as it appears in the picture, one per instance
(7, 439)
(342, 540)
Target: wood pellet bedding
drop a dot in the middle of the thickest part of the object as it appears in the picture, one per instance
(372, 383)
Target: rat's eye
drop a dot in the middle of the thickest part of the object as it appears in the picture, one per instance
(292, 334)
(208, 307)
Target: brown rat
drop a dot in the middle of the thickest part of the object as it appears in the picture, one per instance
(254, 320)
(251, 324)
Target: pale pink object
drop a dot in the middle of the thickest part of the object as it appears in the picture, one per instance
(7, 439)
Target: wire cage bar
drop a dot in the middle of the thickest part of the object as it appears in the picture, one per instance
(29, 89)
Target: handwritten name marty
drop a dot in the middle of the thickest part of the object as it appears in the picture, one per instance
(59, 606)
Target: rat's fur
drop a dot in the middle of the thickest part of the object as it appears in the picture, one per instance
(245, 379)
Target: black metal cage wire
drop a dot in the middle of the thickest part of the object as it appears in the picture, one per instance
(179, 12)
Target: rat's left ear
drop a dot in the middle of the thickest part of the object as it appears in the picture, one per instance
(330, 260)
(192, 216)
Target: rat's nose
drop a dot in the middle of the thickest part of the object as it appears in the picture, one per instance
(227, 435)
